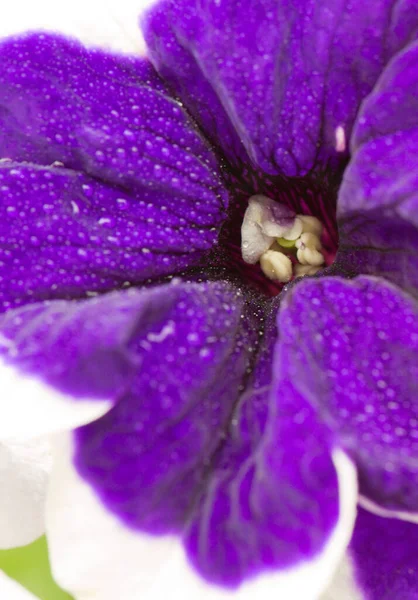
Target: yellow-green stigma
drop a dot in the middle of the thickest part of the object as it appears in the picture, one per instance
(284, 243)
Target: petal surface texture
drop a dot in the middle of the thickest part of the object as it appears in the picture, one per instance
(286, 74)
(197, 449)
(378, 199)
(351, 348)
(63, 364)
(110, 182)
(384, 553)
(24, 472)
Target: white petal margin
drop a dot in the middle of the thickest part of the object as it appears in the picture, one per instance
(374, 508)
(111, 24)
(24, 473)
(11, 590)
(344, 585)
(95, 557)
(30, 408)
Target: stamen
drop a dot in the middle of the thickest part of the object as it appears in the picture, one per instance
(276, 266)
(309, 246)
(311, 225)
(293, 233)
(270, 235)
(302, 270)
(264, 221)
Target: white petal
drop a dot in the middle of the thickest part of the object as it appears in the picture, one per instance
(31, 408)
(306, 581)
(109, 24)
(11, 590)
(95, 557)
(92, 554)
(24, 472)
(387, 513)
(344, 586)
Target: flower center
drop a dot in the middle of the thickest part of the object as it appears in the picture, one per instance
(278, 228)
(284, 243)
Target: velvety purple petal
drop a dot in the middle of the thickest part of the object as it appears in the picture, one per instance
(107, 115)
(194, 350)
(181, 68)
(80, 348)
(97, 350)
(134, 192)
(378, 199)
(196, 448)
(57, 353)
(385, 557)
(286, 73)
(65, 235)
(272, 502)
(351, 349)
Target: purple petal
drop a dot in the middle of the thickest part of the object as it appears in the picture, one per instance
(80, 348)
(351, 349)
(54, 355)
(385, 557)
(107, 115)
(148, 200)
(250, 488)
(65, 235)
(194, 353)
(178, 66)
(379, 197)
(58, 354)
(287, 74)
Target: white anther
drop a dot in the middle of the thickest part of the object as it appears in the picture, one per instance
(264, 221)
(308, 240)
(309, 246)
(311, 224)
(276, 266)
(294, 232)
(301, 270)
(307, 256)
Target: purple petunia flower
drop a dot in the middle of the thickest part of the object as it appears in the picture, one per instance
(208, 288)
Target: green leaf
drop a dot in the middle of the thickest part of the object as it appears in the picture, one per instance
(29, 565)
